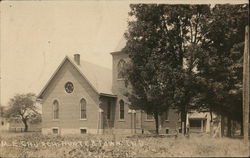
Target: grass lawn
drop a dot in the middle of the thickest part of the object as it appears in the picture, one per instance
(37, 145)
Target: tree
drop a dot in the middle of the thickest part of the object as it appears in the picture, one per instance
(187, 57)
(23, 107)
(161, 39)
(148, 63)
(158, 43)
(221, 63)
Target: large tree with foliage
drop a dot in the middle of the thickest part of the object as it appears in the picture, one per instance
(188, 57)
(23, 107)
(149, 61)
(220, 64)
(163, 53)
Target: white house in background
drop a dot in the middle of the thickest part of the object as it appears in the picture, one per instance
(199, 121)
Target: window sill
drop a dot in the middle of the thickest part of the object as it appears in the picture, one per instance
(55, 120)
(149, 120)
(122, 120)
(120, 79)
(83, 119)
(166, 120)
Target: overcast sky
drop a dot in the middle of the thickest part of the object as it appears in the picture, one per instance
(36, 35)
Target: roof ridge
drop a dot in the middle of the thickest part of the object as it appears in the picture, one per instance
(72, 59)
(99, 77)
(96, 64)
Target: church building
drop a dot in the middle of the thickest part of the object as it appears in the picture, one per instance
(82, 97)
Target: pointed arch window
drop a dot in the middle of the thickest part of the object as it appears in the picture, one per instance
(55, 110)
(121, 102)
(83, 110)
(121, 69)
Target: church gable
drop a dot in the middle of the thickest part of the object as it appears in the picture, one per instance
(96, 76)
(61, 101)
(66, 72)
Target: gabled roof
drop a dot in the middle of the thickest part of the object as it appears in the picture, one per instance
(99, 78)
(198, 115)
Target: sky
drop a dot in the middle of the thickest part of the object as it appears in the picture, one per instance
(35, 36)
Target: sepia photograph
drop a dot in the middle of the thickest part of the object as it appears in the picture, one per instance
(109, 78)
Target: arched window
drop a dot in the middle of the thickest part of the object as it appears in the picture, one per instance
(120, 67)
(121, 102)
(55, 109)
(83, 109)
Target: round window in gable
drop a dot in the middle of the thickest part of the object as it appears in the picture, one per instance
(69, 87)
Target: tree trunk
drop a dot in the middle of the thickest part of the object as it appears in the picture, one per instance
(184, 121)
(229, 127)
(211, 124)
(25, 125)
(156, 123)
(233, 128)
(241, 128)
(185, 125)
(222, 126)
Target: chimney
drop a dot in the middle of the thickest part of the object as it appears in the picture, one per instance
(77, 58)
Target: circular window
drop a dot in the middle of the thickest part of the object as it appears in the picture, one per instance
(69, 87)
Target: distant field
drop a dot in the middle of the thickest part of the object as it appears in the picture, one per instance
(37, 145)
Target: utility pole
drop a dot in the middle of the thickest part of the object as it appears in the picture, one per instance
(246, 87)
